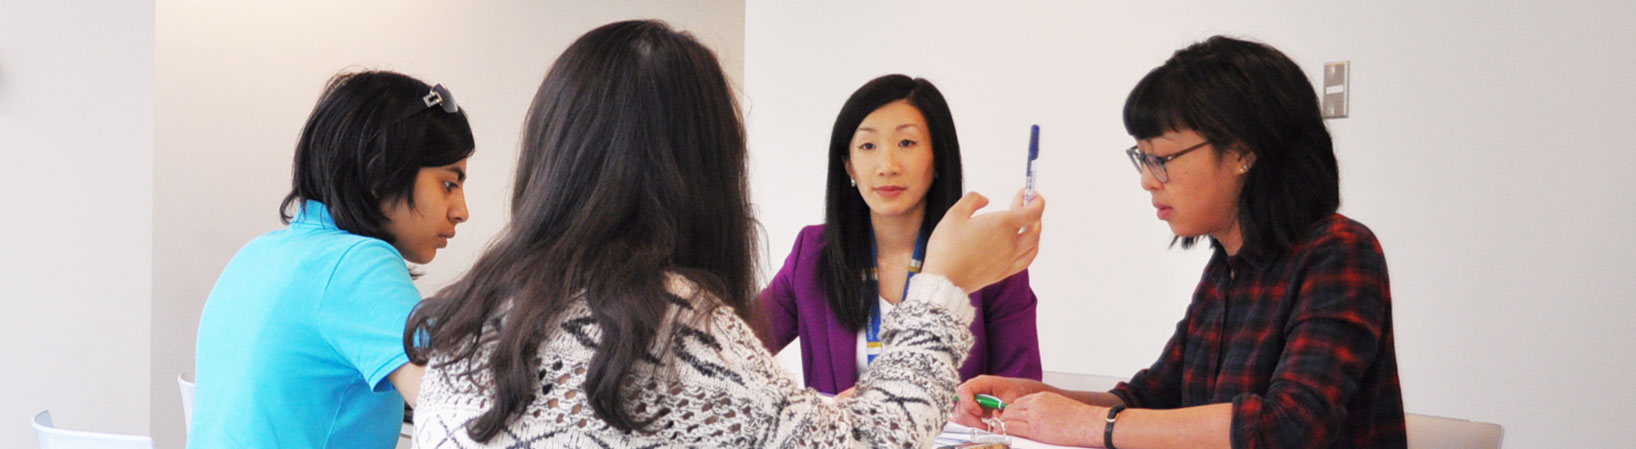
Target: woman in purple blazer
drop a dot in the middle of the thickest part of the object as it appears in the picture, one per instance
(894, 169)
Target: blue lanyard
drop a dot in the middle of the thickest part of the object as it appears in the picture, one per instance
(873, 346)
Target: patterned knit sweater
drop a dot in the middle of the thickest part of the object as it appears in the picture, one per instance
(717, 386)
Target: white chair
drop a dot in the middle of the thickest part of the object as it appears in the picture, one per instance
(1080, 382)
(1434, 432)
(51, 437)
(187, 400)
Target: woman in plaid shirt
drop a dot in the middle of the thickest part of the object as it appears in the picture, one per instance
(1288, 340)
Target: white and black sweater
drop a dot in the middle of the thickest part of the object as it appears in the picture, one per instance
(719, 387)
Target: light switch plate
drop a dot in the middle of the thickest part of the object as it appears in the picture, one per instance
(1337, 91)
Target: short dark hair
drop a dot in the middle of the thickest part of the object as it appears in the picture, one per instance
(848, 234)
(364, 145)
(633, 166)
(1248, 97)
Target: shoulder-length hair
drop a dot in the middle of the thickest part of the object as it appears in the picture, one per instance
(1249, 97)
(364, 145)
(632, 167)
(848, 234)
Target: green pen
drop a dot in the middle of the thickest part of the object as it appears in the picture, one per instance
(988, 401)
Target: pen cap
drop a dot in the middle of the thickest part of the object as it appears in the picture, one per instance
(1033, 142)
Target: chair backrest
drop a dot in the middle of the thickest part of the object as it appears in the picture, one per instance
(50, 437)
(1434, 432)
(1080, 382)
(187, 400)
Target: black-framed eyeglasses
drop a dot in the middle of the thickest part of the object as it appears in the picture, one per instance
(1156, 164)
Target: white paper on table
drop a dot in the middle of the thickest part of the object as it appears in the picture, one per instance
(957, 433)
(952, 434)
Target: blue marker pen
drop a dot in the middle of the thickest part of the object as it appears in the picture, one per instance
(1033, 155)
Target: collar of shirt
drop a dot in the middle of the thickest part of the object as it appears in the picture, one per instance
(1257, 257)
(1223, 267)
(314, 214)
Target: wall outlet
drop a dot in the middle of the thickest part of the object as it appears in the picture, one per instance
(1336, 93)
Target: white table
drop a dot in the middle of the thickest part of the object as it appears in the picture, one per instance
(956, 433)
(950, 430)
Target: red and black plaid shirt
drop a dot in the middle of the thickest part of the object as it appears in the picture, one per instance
(1299, 342)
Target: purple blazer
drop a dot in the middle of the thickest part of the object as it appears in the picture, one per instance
(795, 304)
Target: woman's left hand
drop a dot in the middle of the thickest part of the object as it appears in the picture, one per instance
(1052, 418)
(975, 251)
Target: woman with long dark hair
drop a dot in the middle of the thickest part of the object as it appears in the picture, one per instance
(1288, 342)
(613, 310)
(894, 169)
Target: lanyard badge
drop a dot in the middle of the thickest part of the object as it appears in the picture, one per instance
(873, 345)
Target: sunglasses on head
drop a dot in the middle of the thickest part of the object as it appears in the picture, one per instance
(438, 96)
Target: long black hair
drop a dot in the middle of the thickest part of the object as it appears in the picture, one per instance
(632, 166)
(364, 145)
(1249, 97)
(848, 233)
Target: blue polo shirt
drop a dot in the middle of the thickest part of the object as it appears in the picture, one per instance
(297, 339)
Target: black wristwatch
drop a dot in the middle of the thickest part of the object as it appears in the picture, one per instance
(1107, 431)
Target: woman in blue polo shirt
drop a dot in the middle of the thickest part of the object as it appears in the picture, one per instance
(301, 342)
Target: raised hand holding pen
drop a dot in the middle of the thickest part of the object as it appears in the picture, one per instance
(975, 251)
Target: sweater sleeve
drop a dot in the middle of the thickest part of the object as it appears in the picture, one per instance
(903, 400)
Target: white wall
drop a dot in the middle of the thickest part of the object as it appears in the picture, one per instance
(1484, 148)
(76, 116)
(236, 81)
